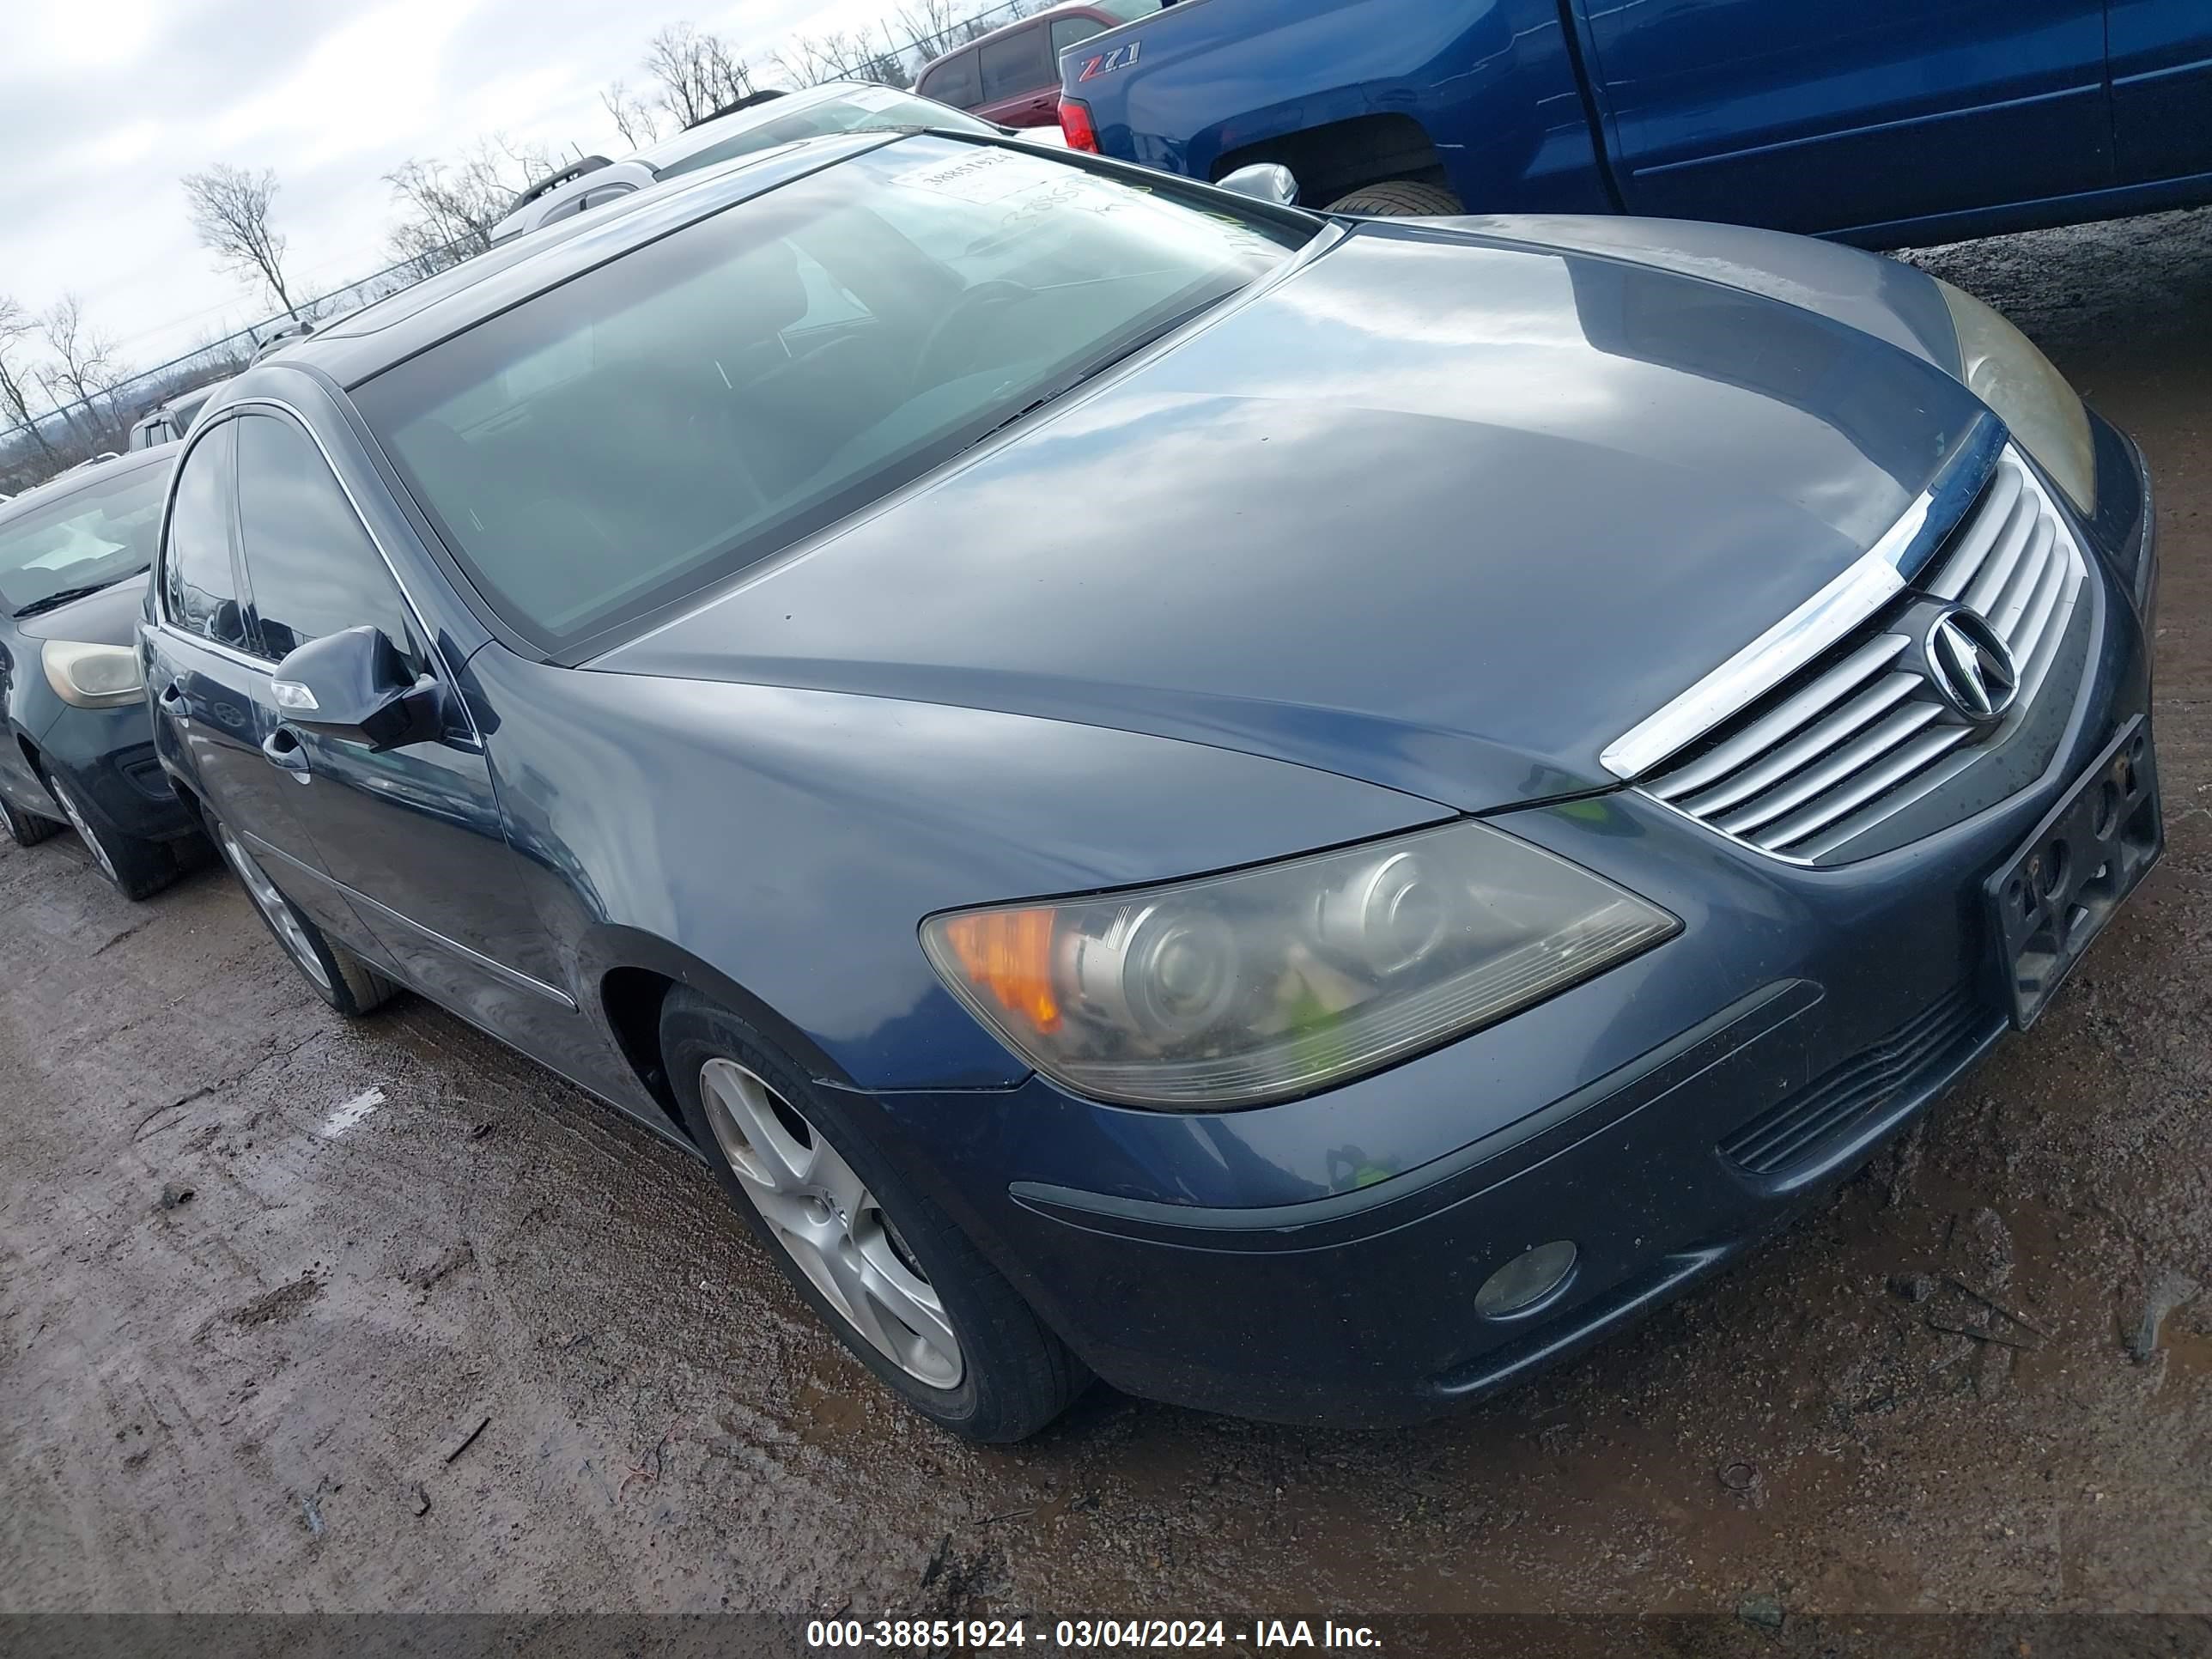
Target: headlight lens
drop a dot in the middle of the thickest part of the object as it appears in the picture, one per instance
(2003, 370)
(93, 676)
(1231, 990)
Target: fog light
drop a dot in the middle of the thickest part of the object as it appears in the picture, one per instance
(1526, 1281)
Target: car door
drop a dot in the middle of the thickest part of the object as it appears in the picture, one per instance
(1828, 118)
(413, 836)
(1021, 78)
(211, 719)
(2161, 68)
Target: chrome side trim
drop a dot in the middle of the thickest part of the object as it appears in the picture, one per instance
(162, 625)
(499, 970)
(1870, 582)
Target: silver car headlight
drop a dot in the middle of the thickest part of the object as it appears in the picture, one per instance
(1232, 990)
(93, 676)
(2002, 367)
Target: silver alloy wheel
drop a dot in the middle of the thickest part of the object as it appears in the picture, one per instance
(273, 905)
(830, 1224)
(84, 832)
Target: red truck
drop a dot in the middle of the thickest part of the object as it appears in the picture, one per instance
(1011, 75)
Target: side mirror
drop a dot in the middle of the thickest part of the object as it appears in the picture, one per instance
(1266, 181)
(354, 685)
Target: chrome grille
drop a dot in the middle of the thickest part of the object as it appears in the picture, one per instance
(1821, 762)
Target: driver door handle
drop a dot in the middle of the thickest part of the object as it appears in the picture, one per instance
(172, 695)
(282, 748)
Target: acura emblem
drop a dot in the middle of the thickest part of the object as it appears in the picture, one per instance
(1969, 666)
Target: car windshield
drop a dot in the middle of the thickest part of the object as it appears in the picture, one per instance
(90, 539)
(658, 422)
(861, 109)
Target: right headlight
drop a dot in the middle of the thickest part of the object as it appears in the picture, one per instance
(1232, 990)
(93, 676)
(2002, 366)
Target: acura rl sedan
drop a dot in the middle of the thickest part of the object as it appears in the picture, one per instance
(74, 556)
(1299, 814)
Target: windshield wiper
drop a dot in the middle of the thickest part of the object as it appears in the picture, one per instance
(1121, 352)
(70, 595)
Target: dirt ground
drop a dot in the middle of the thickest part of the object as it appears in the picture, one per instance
(380, 1242)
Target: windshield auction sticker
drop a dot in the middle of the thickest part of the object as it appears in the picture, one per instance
(986, 176)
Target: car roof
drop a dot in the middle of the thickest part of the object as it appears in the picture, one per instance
(366, 342)
(712, 131)
(62, 485)
(532, 214)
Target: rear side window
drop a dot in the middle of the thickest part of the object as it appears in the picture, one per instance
(1073, 31)
(1021, 63)
(200, 590)
(955, 81)
(311, 566)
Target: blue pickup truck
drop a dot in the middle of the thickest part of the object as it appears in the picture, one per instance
(1881, 122)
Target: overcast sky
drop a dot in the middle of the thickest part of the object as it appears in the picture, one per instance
(104, 104)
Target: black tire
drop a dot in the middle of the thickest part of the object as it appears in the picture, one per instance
(135, 867)
(1015, 1376)
(333, 972)
(26, 829)
(1400, 199)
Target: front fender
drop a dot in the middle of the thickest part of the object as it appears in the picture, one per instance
(790, 842)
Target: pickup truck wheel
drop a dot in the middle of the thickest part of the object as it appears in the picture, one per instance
(1399, 198)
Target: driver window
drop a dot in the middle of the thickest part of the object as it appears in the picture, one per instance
(310, 565)
(200, 588)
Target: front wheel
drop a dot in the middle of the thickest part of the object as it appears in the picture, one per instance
(25, 829)
(883, 1266)
(339, 977)
(1400, 199)
(135, 867)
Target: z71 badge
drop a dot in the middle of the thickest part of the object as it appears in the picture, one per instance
(1107, 62)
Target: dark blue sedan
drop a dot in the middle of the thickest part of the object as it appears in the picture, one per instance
(1301, 814)
(75, 746)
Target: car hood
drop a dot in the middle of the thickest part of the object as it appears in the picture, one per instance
(1439, 511)
(110, 617)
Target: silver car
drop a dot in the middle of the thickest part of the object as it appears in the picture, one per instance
(765, 121)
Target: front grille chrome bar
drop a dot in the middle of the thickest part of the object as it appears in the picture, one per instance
(1870, 582)
(1864, 739)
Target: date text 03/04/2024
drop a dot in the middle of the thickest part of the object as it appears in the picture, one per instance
(927, 1635)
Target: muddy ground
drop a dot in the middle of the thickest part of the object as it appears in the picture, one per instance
(252, 1398)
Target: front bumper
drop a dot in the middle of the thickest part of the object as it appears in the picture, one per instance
(1318, 1260)
(108, 753)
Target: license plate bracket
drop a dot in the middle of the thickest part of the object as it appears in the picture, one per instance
(2056, 893)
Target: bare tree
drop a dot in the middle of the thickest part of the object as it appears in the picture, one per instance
(448, 208)
(84, 369)
(633, 117)
(933, 26)
(15, 326)
(812, 59)
(696, 71)
(230, 210)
